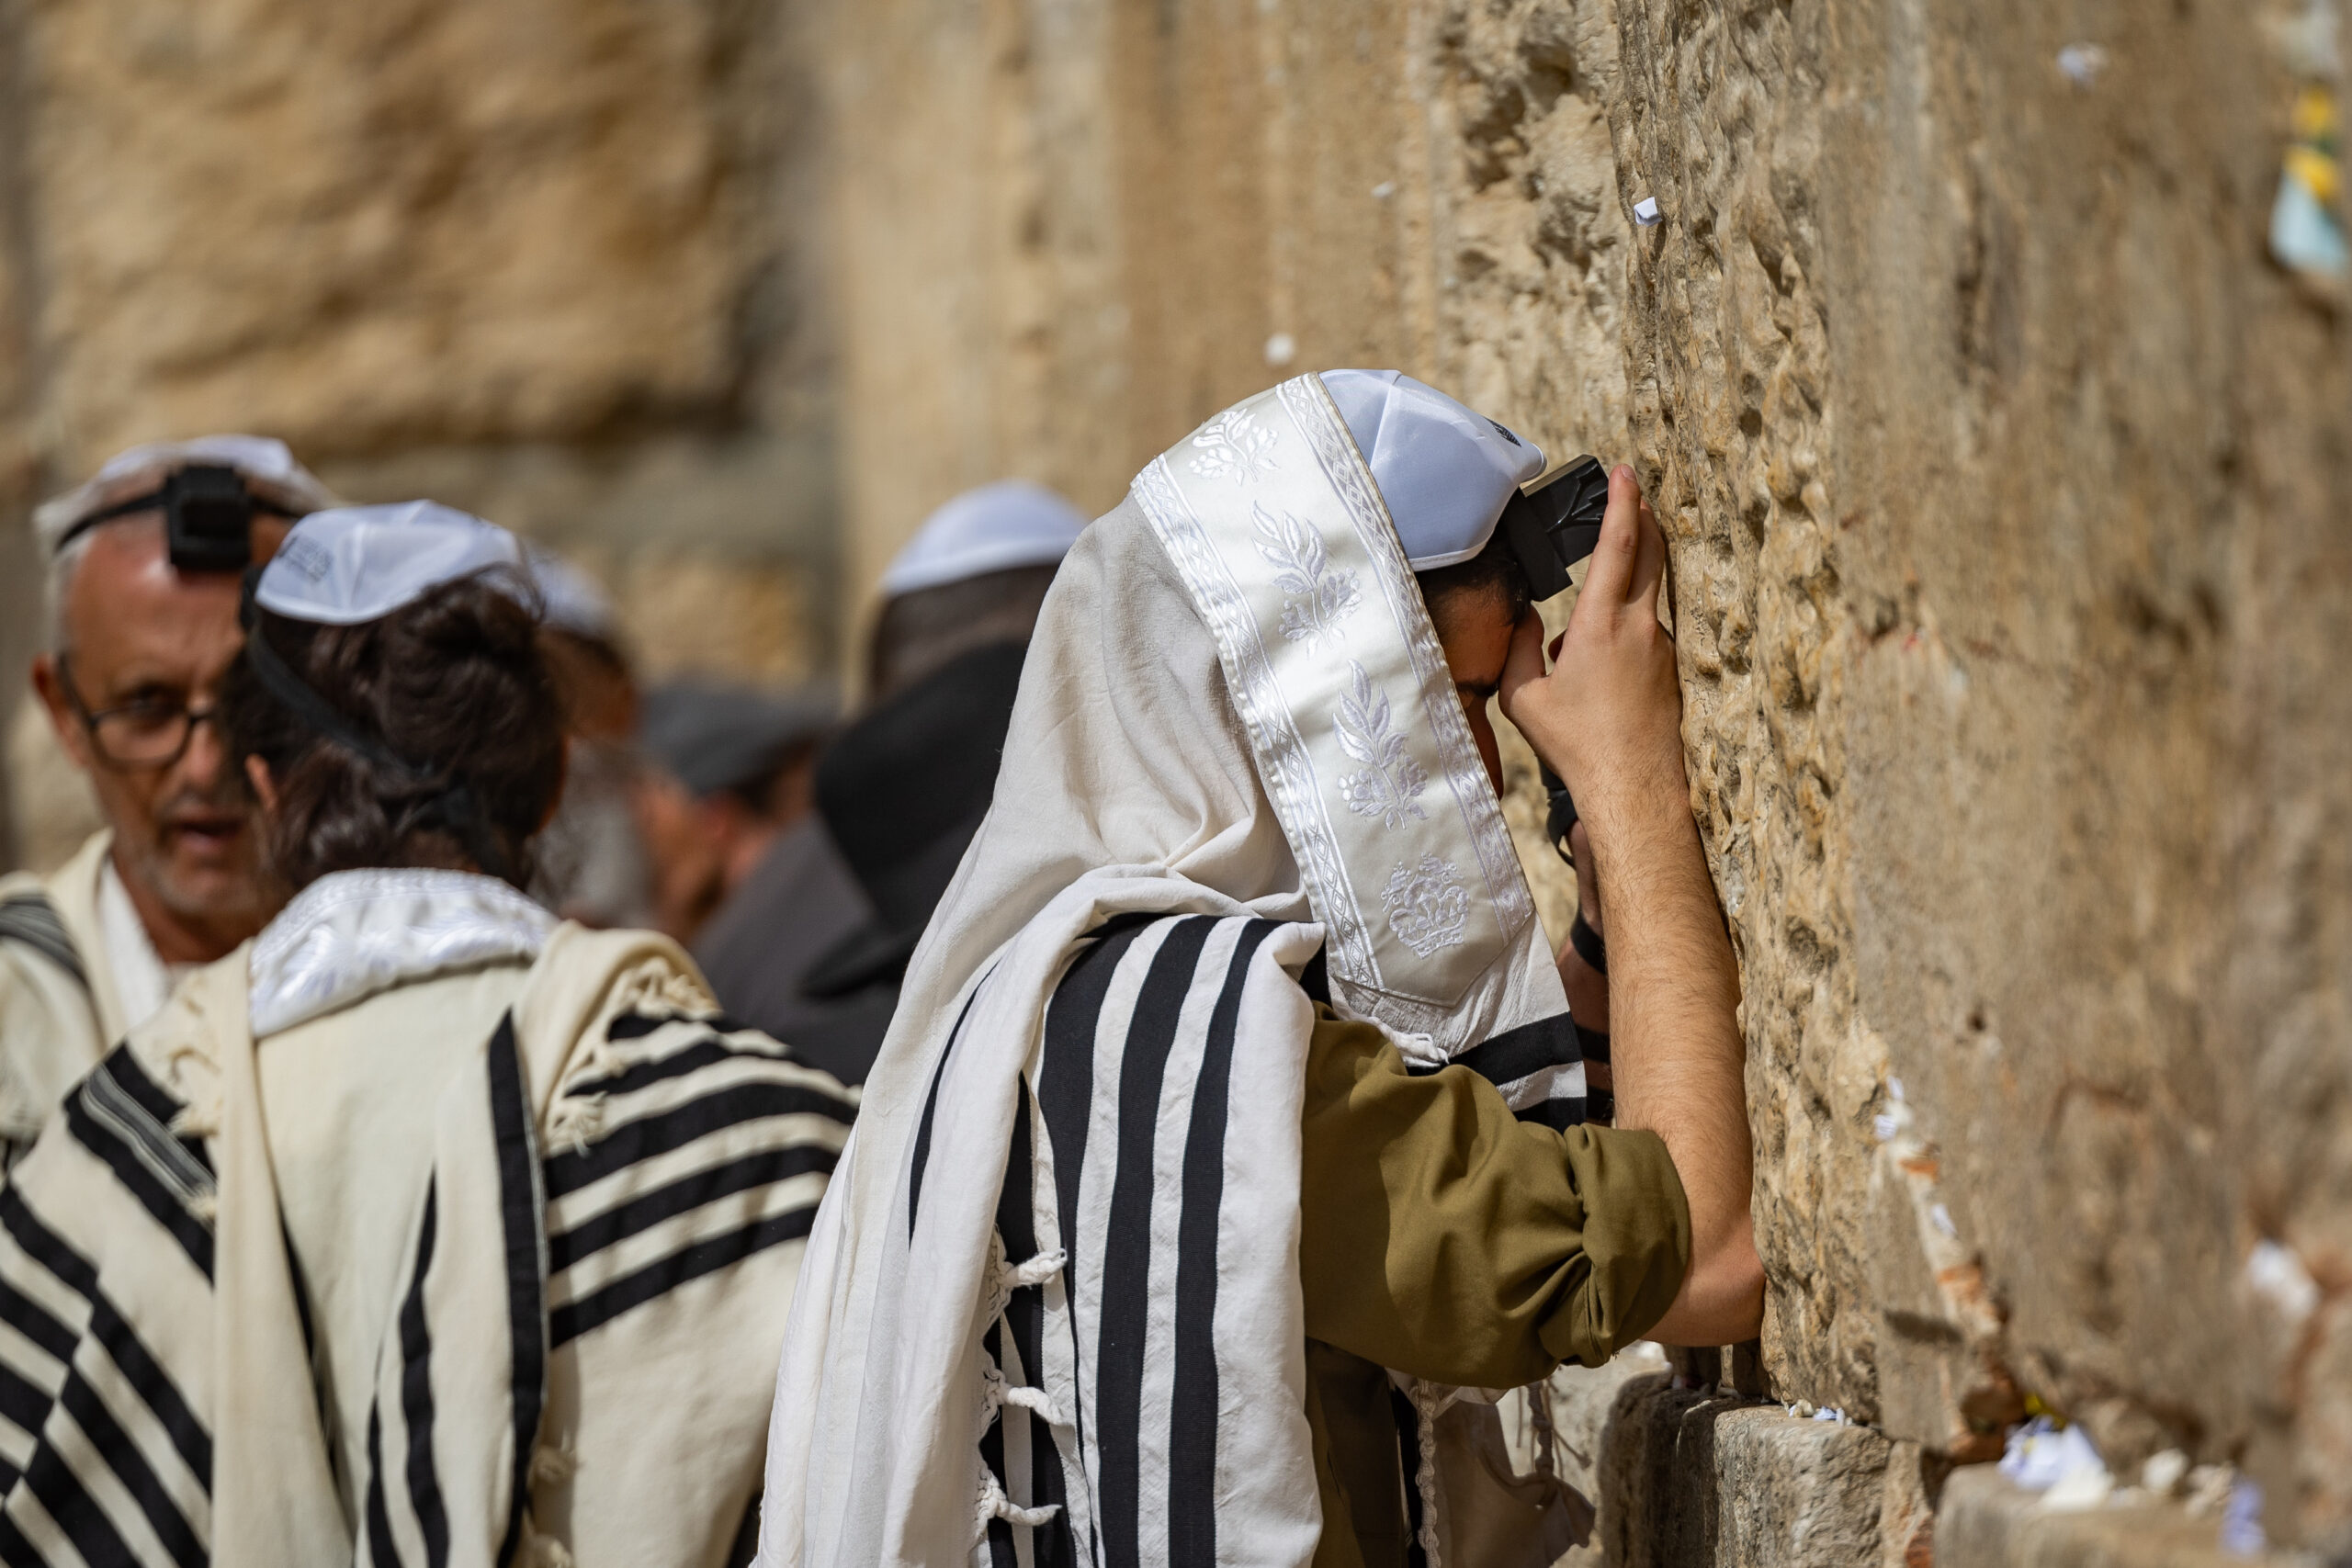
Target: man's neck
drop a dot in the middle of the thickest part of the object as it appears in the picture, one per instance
(179, 937)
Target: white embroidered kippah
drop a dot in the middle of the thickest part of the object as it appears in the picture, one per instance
(1444, 471)
(358, 563)
(994, 528)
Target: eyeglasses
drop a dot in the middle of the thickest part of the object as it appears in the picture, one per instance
(147, 732)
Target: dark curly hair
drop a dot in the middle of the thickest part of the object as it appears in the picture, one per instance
(1494, 570)
(454, 683)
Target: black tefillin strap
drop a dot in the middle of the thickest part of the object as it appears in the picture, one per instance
(452, 806)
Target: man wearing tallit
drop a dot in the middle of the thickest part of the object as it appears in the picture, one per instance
(141, 622)
(1228, 1137)
(422, 1229)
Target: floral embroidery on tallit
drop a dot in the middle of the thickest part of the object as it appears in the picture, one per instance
(1390, 785)
(1234, 446)
(1316, 594)
(1428, 907)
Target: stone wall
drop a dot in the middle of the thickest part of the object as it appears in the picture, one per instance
(557, 261)
(2005, 478)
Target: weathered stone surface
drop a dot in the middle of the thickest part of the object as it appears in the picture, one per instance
(1983, 1521)
(1690, 1478)
(556, 261)
(2005, 482)
(355, 225)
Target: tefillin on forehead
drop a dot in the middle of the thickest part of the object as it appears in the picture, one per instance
(208, 512)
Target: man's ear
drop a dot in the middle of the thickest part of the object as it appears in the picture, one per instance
(48, 683)
(265, 786)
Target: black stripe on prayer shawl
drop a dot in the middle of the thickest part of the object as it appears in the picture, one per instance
(112, 1119)
(708, 1051)
(1514, 1053)
(931, 1105)
(21, 1402)
(658, 1278)
(522, 1205)
(764, 1168)
(1055, 1546)
(637, 1025)
(1193, 1414)
(130, 1467)
(1125, 1324)
(1066, 1093)
(140, 1369)
(382, 1551)
(642, 1139)
(78, 1427)
(31, 919)
(1520, 1052)
(416, 1398)
(1002, 1553)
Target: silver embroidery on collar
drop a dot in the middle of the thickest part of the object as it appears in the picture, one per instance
(1427, 906)
(352, 934)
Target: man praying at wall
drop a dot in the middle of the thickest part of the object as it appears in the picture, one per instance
(140, 625)
(1230, 1141)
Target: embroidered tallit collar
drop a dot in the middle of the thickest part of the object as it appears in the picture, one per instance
(354, 933)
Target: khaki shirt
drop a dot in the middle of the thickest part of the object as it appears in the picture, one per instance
(1444, 1238)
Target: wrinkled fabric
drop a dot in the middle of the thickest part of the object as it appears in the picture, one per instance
(59, 1004)
(464, 1272)
(1236, 743)
(353, 934)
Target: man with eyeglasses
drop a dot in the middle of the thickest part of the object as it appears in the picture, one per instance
(144, 563)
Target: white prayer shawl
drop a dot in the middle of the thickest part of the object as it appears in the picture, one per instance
(618, 1186)
(59, 1001)
(1051, 1310)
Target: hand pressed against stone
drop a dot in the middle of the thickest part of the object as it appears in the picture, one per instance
(1607, 717)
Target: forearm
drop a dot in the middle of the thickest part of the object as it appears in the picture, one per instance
(1676, 1048)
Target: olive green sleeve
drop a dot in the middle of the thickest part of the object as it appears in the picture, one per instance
(1444, 1237)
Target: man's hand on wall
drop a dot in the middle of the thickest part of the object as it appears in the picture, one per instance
(1607, 717)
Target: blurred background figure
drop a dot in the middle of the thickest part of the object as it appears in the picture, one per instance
(592, 864)
(725, 773)
(141, 587)
(812, 949)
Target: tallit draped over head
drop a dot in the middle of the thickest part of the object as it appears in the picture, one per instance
(1052, 1288)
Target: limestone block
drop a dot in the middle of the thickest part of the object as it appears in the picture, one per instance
(1693, 1480)
(357, 225)
(1983, 1521)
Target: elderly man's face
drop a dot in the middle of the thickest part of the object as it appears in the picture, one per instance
(139, 633)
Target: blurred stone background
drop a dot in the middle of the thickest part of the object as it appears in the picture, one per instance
(2006, 477)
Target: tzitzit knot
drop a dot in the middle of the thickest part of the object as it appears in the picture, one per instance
(1427, 1406)
(1005, 1277)
(992, 1503)
(997, 1392)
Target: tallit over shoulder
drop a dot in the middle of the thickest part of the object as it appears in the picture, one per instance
(619, 1184)
(1051, 1311)
(58, 1002)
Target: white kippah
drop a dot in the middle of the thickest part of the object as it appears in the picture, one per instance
(571, 599)
(1444, 471)
(256, 457)
(994, 528)
(359, 563)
